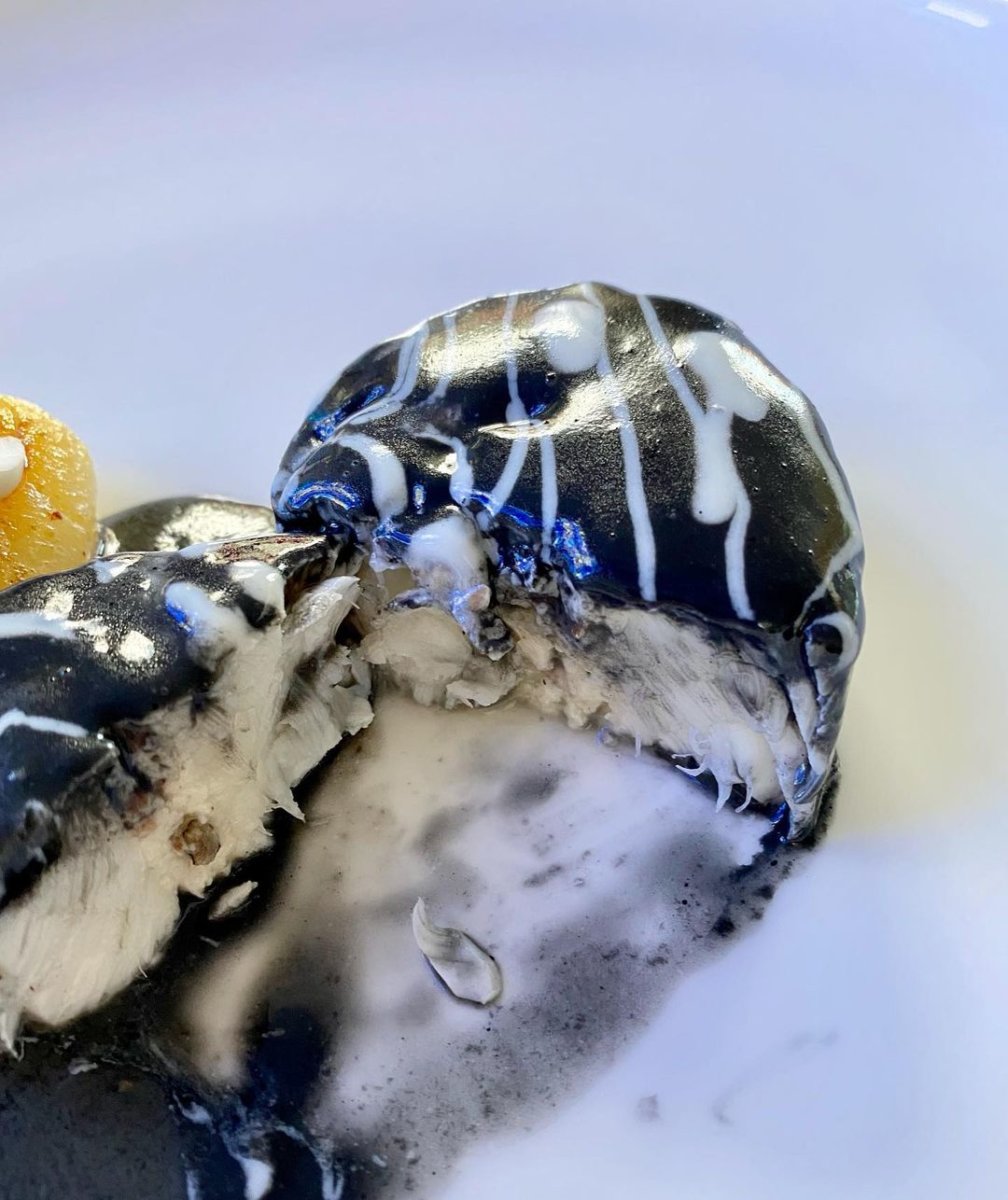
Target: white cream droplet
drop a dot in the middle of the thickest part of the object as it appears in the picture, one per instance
(469, 972)
(572, 333)
(136, 647)
(448, 547)
(111, 567)
(231, 900)
(13, 461)
(258, 1177)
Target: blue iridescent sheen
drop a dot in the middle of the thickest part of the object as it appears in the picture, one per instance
(387, 533)
(178, 615)
(324, 424)
(571, 545)
(523, 563)
(340, 494)
(519, 516)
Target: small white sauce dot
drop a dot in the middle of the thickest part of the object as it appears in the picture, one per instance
(572, 333)
(136, 647)
(13, 461)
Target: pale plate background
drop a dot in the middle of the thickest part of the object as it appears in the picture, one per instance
(205, 211)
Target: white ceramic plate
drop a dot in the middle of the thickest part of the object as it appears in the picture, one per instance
(206, 213)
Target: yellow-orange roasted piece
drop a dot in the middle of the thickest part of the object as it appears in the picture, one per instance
(47, 494)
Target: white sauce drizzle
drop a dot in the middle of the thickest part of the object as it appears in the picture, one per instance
(547, 460)
(13, 461)
(52, 625)
(571, 333)
(388, 478)
(759, 376)
(460, 485)
(718, 492)
(640, 516)
(765, 382)
(407, 370)
(515, 414)
(15, 717)
(450, 353)
(460, 479)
